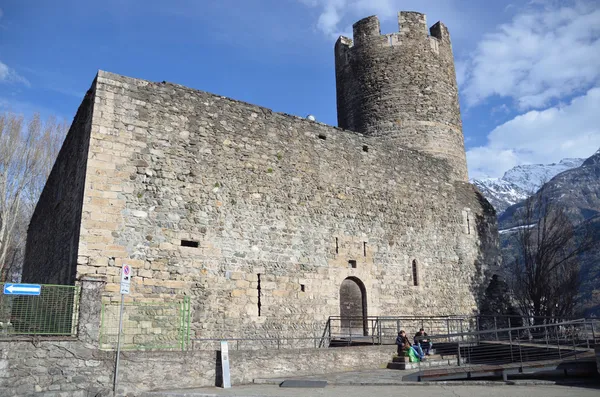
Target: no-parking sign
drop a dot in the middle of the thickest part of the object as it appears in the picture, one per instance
(125, 279)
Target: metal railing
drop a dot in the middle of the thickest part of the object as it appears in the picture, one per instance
(273, 343)
(146, 325)
(384, 329)
(517, 348)
(54, 312)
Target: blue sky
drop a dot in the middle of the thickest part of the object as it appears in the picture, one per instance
(529, 71)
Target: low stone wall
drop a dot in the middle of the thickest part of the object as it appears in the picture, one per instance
(69, 367)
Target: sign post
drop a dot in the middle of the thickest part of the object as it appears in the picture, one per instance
(225, 365)
(22, 289)
(125, 283)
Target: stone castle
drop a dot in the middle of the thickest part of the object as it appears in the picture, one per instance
(271, 221)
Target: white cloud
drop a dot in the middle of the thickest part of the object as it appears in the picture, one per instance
(543, 54)
(8, 75)
(337, 16)
(545, 136)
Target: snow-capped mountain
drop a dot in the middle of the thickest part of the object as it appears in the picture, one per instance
(500, 193)
(530, 177)
(519, 182)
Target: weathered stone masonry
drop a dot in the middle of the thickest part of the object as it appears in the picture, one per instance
(300, 204)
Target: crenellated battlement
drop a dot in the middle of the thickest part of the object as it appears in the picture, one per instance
(411, 26)
(402, 86)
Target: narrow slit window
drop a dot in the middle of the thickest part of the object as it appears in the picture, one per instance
(468, 225)
(337, 247)
(415, 272)
(190, 243)
(365, 248)
(258, 290)
(302, 288)
(352, 263)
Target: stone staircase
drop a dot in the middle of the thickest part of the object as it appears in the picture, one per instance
(434, 360)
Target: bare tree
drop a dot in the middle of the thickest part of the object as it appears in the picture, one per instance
(28, 149)
(544, 271)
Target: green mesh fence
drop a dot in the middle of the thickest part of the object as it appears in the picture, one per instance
(53, 312)
(146, 325)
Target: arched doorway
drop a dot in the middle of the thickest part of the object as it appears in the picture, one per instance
(353, 307)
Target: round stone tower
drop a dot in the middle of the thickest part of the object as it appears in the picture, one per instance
(402, 86)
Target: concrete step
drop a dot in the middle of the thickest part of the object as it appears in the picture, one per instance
(433, 357)
(403, 363)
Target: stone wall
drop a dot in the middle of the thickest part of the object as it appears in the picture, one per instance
(53, 234)
(404, 85)
(51, 367)
(204, 195)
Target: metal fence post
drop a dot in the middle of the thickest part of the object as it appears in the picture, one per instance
(574, 346)
(558, 341)
(510, 341)
(462, 336)
(496, 328)
(587, 340)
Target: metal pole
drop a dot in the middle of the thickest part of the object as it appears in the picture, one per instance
(558, 340)
(496, 328)
(587, 340)
(510, 341)
(593, 334)
(462, 337)
(477, 325)
(116, 378)
(448, 327)
(574, 347)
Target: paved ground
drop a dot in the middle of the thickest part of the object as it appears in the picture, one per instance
(384, 383)
(389, 391)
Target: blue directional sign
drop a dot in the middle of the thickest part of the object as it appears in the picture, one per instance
(22, 289)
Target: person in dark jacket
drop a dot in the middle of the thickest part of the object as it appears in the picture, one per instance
(424, 344)
(404, 344)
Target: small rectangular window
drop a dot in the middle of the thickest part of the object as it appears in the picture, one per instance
(302, 288)
(365, 148)
(364, 249)
(190, 243)
(352, 263)
(322, 136)
(415, 273)
(337, 247)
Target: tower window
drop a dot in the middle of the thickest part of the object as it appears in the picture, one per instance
(365, 248)
(337, 247)
(415, 273)
(190, 243)
(365, 148)
(352, 263)
(322, 136)
(302, 288)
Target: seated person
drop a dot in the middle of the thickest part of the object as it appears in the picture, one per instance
(404, 344)
(423, 343)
